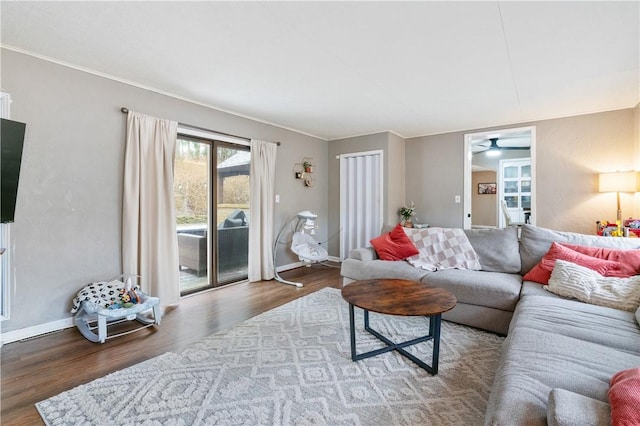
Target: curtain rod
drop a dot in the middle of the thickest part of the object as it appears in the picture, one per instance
(125, 110)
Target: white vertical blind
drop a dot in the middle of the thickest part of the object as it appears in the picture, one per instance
(360, 199)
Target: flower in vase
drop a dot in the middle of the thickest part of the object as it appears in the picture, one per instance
(407, 212)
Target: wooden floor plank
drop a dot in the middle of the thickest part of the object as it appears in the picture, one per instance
(39, 368)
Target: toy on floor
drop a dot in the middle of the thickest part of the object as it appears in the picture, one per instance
(102, 304)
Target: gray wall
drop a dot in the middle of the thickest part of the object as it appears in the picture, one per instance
(484, 210)
(636, 133)
(68, 213)
(434, 173)
(570, 152)
(396, 178)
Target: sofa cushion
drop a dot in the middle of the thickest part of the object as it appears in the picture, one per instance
(536, 241)
(394, 245)
(534, 362)
(492, 289)
(566, 408)
(624, 397)
(363, 253)
(372, 269)
(586, 285)
(483, 317)
(572, 319)
(530, 288)
(542, 271)
(498, 249)
(546, 349)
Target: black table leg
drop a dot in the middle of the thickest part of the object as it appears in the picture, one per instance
(352, 328)
(434, 330)
(434, 334)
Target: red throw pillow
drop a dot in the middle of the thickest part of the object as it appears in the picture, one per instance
(630, 257)
(394, 245)
(608, 268)
(624, 397)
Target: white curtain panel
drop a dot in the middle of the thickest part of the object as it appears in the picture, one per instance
(360, 199)
(149, 239)
(262, 185)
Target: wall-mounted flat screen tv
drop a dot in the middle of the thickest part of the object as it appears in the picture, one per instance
(11, 142)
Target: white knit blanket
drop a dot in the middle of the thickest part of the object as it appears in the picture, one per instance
(442, 248)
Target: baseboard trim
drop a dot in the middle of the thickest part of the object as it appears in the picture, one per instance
(49, 327)
(295, 265)
(288, 266)
(36, 330)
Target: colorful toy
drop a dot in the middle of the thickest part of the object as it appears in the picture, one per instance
(128, 296)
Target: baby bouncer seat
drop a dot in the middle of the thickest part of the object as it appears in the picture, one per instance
(96, 308)
(308, 249)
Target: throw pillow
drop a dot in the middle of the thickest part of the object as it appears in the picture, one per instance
(498, 249)
(442, 248)
(624, 397)
(535, 242)
(629, 257)
(394, 245)
(542, 271)
(586, 285)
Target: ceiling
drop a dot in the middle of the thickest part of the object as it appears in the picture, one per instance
(504, 139)
(339, 69)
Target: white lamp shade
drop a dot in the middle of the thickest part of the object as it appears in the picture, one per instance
(619, 182)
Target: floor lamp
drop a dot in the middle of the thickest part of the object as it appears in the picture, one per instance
(618, 182)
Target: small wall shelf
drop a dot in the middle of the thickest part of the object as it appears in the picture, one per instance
(304, 171)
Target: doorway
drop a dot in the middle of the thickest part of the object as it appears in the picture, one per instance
(484, 152)
(211, 187)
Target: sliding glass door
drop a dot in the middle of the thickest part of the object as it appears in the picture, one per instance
(211, 187)
(232, 213)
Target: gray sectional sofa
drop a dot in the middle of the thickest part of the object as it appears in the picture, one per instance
(559, 354)
(486, 299)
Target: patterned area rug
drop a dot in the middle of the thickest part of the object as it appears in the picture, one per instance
(292, 366)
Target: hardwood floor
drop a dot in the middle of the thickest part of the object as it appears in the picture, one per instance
(39, 368)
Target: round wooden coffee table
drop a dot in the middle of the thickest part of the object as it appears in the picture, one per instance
(399, 297)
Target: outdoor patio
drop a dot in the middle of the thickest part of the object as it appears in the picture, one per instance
(190, 281)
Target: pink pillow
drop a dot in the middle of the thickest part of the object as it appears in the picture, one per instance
(624, 397)
(394, 245)
(628, 257)
(608, 268)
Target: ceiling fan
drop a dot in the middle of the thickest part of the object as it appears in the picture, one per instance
(494, 149)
